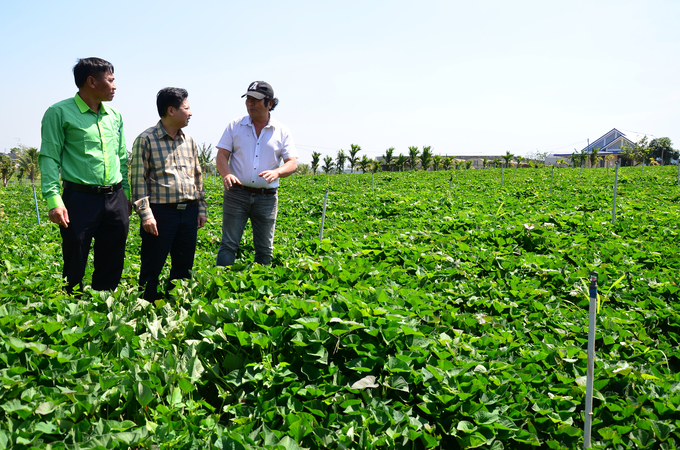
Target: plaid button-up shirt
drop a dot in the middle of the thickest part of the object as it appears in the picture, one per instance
(165, 170)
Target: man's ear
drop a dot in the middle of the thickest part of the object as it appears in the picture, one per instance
(171, 111)
(91, 81)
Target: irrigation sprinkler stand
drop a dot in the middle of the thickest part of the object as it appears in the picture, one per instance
(323, 214)
(373, 182)
(678, 172)
(501, 177)
(451, 178)
(37, 214)
(616, 182)
(591, 361)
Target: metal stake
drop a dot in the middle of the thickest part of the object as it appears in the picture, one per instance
(616, 182)
(591, 360)
(37, 214)
(323, 214)
(373, 181)
(501, 177)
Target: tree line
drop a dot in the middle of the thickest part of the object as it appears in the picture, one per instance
(414, 160)
(22, 161)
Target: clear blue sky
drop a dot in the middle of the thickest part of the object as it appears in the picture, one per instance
(467, 78)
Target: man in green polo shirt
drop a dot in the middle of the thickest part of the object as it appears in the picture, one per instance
(83, 140)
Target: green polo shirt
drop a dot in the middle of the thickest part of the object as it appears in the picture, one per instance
(89, 148)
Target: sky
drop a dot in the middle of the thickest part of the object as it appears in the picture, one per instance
(466, 78)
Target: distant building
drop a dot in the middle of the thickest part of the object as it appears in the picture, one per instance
(611, 143)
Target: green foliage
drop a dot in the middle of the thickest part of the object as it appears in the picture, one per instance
(365, 162)
(327, 165)
(638, 153)
(413, 153)
(7, 169)
(508, 157)
(426, 318)
(401, 161)
(28, 161)
(426, 157)
(315, 161)
(205, 158)
(388, 159)
(662, 149)
(340, 161)
(353, 159)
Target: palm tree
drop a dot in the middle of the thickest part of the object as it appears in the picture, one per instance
(364, 163)
(436, 162)
(412, 156)
(28, 161)
(496, 162)
(447, 162)
(401, 161)
(315, 161)
(507, 157)
(340, 161)
(485, 161)
(327, 165)
(353, 158)
(388, 158)
(593, 157)
(205, 159)
(468, 164)
(426, 157)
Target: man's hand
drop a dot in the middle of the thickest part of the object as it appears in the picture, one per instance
(201, 221)
(59, 215)
(270, 175)
(149, 226)
(229, 181)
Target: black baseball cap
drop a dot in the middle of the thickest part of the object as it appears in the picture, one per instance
(259, 90)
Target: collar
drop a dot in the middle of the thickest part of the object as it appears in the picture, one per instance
(249, 122)
(160, 131)
(82, 106)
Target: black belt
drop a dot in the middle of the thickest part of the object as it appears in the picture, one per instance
(92, 189)
(258, 190)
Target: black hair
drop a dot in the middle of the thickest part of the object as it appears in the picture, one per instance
(275, 101)
(90, 67)
(168, 97)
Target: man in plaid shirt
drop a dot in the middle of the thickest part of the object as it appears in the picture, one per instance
(167, 192)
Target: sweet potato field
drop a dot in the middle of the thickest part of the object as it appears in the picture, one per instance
(441, 310)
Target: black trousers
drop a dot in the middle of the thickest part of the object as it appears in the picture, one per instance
(177, 230)
(104, 218)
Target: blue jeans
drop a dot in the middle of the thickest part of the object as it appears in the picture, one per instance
(237, 207)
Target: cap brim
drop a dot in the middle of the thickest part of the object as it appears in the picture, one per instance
(254, 94)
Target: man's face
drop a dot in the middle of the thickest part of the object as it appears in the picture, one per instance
(182, 114)
(104, 88)
(256, 107)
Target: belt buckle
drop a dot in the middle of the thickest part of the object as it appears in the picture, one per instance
(181, 206)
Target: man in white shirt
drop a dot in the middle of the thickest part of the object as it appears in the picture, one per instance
(249, 156)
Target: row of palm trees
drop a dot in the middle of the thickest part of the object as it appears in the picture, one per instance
(25, 165)
(391, 162)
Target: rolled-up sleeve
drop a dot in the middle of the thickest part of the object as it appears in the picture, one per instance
(139, 167)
